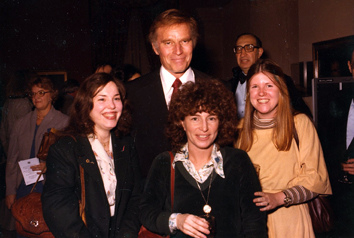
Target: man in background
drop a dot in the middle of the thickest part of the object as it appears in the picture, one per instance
(248, 49)
(173, 36)
(349, 166)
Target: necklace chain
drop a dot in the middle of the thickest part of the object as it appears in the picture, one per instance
(206, 200)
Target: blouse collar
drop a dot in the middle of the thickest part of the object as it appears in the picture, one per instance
(216, 162)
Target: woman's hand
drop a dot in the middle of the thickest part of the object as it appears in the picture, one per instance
(192, 225)
(39, 167)
(269, 201)
(349, 166)
(10, 200)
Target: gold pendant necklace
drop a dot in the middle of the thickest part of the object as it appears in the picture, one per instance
(206, 207)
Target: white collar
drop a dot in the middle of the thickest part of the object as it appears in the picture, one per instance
(216, 162)
(167, 78)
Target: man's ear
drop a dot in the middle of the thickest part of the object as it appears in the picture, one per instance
(260, 52)
(155, 48)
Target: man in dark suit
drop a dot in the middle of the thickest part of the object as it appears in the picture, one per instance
(343, 147)
(349, 166)
(248, 50)
(173, 36)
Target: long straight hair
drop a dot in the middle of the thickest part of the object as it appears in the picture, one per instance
(284, 118)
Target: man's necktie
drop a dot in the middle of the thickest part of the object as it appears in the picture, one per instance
(176, 84)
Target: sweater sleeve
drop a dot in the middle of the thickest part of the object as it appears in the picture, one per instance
(299, 194)
(253, 220)
(313, 173)
(155, 205)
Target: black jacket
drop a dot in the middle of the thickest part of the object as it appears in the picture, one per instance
(62, 190)
(150, 116)
(231, 198)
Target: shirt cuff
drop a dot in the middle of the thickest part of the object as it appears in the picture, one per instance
(172, 222)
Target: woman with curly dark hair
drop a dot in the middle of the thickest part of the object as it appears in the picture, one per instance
(95, 139)
(211, 179)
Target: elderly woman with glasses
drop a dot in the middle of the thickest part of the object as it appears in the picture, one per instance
(27, 134)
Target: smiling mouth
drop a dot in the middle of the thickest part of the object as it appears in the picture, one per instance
(110, 116)
(203, 136)
(245, 60)
(179, 61)
(263, 100)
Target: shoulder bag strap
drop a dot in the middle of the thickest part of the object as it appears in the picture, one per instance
(39, 176)
(82, 202)
(172, 180)
(296, 137)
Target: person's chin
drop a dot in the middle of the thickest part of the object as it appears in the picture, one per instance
(180, 68)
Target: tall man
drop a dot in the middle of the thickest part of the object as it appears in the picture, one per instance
(173, 36)
(248, 49)
(349, 167)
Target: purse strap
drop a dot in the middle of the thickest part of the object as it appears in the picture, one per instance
(39, 176)
(296, 137)
(172, 180)
(82, 202)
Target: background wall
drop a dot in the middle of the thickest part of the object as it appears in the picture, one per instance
(45, 35)
(76, 35)
(321, 20)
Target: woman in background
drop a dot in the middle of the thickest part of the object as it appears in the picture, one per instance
(26, 137)
(285, 147)
(16, 105)
(96, 139)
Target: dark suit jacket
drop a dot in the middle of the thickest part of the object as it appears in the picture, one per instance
(150, 116)
(295, 97)
(62, 190)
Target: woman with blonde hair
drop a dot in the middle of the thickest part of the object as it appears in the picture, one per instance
(284, 146)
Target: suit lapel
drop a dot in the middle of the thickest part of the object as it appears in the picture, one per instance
(156, 93)
(121, 162)
(152, 93)
(88, 162)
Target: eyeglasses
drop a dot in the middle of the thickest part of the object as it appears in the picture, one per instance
(40, 93)
(248, 48)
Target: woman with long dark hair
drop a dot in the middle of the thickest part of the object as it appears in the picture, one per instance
(96, 139)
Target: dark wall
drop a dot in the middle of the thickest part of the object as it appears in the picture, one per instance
(45, 35)
(76, 35)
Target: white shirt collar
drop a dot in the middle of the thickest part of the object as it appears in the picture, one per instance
(167, 80)
(216, 163)
(105, 163)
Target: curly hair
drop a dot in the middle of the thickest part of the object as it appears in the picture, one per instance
(209, 96)
(80, 122)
